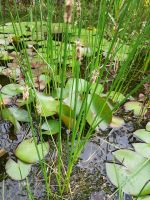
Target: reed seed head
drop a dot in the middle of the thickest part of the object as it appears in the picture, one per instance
(95, 75)
(78, 4)
(68, 11)
(26, 93)
(78, 50)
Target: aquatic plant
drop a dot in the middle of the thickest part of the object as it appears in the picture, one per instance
(70, 74)
(131, 174)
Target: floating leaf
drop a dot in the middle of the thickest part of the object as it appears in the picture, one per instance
(148, 126)
(131, 182)
(143, 135)
(117, 122)
(76, 85)
(99, 112)
(17, 170)
(12, 89)
(57, 92)
(147, 197)
(51, 127)
(22, 102)
(20, 114)
(136, 107)
(116, 97)
(8, 115)
(67, 116)
(143, 149)
(98, 90)
(27, 150)
(129, 159)
(132, 176)
(14, 114)
(46, 105)
(71, 102)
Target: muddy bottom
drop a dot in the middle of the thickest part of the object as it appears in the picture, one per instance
(88, 180)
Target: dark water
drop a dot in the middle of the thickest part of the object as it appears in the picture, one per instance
(88, 180)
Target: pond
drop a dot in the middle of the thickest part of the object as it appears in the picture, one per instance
(75, 103)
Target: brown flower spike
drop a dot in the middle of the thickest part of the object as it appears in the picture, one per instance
(68, 11)
(78, 50)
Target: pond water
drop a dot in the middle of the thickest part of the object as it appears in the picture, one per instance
(88, 180)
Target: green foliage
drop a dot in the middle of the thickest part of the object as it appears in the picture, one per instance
(132, 175)
(136, 107)
(50, 127)
(99, 114)
(12, 89)
(31, 151)
(55, 66)
(46, 105)
(17, 170)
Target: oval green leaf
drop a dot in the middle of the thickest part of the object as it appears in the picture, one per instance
(17, 170)
(148, 126)
(51, 127)
(99, 113)
(143, 149)
(117, 122)
(129, 158)
(27, 150)
(12, 89)
(136, 107)
(67, 116)
(46, 105)
(143, 135)
(79, 85)
(131, 182)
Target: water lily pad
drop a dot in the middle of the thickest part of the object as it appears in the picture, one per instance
(143, 135)
(51, 127)
(116, 97)
(129, 159)
(143, 149)
(136, 107)
(99, 112)
(20, 114)
(57, 92)
(67, 116)
(46, 105)
(17, 170)
(147, 197)
(21, 102)
(128, 181)
(117, 122)
(148, 126)
(8, 115)
(71, 102)
(73, 86)
(27, 150)
(12, 89)
(98, 90)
